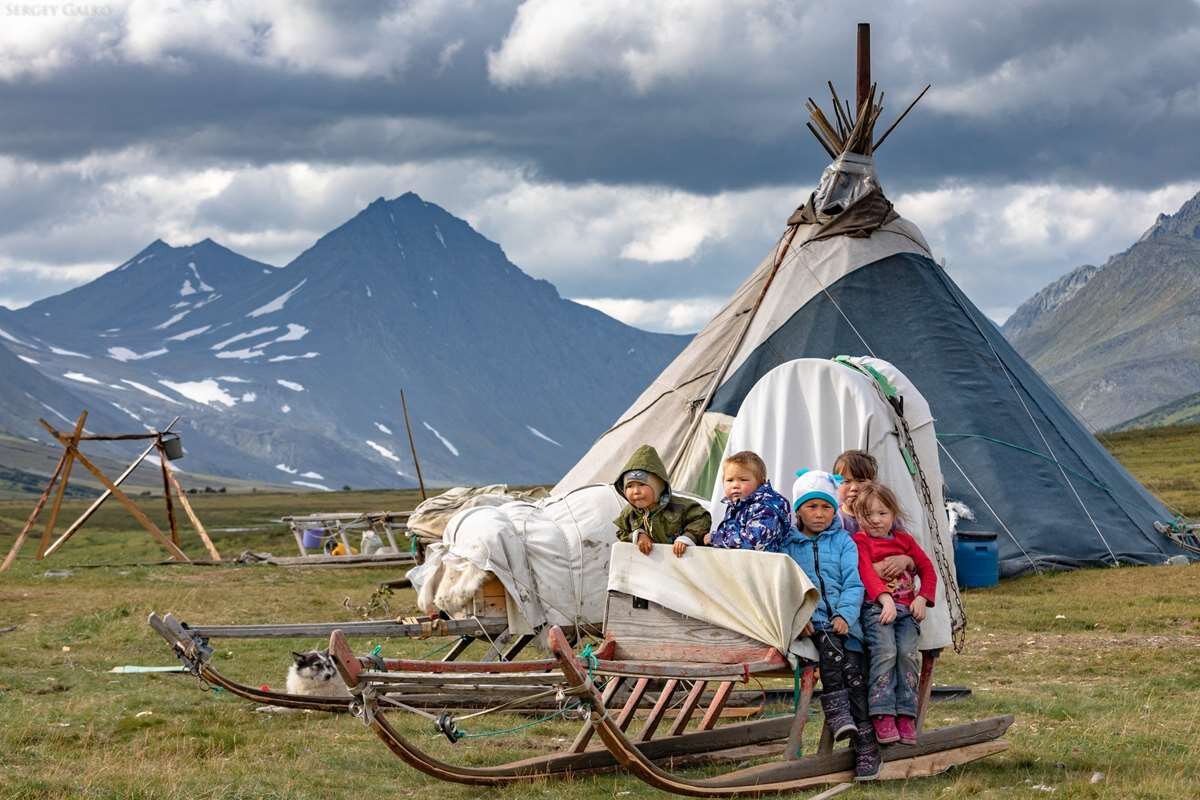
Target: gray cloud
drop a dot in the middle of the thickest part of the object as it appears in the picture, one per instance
(281, 122)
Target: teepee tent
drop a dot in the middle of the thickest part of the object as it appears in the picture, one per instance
(849, 275)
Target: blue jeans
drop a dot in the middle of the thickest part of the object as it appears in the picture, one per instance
(895, 662)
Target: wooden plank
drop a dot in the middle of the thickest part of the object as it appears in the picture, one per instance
(632, 703)
(349, 629)
(99, 501)
(656, 633)
(713, 712)
(191, 515)
(344, 659)
(166, 479)
(794, 748)
(689, 707)
(660, 708)
(31, 520)
(70, 445)
(585, 733)
(458, 648)
(517, 646)
(925, 684)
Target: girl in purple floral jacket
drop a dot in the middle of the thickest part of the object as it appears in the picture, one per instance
(756, 516)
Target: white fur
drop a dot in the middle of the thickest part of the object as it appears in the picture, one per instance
(957, 511)
(316, 681)
(460, 580)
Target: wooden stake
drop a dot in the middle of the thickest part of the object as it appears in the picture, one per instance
(191, 515)
(902, 116)
(33, 515)
(99, 501)
(162, 462)
(413, 446)
(62, 486)
(122, 498)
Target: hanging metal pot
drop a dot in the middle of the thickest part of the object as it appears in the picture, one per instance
(172, 445)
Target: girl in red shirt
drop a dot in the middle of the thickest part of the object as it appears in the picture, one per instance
(892, 613)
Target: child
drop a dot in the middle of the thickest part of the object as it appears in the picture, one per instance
(829, 557)
(756, 516)
(856, 468)
(892, 615)
(653, 514)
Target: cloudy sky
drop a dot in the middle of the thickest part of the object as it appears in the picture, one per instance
(607, 146)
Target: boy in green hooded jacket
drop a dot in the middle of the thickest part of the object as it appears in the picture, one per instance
(652, 514)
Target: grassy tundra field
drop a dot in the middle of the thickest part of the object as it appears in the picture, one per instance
(1100, 667)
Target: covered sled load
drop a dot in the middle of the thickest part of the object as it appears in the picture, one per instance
(550, 555)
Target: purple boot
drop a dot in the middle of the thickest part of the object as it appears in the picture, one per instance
(867, 761)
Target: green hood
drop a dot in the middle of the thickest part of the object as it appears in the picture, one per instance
(645, 457)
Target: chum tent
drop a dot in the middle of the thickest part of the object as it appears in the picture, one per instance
(850, 276)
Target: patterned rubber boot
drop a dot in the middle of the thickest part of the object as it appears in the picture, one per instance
(867, 761)
(836, 706)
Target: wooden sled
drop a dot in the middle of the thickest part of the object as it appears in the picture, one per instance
(190, 645)
(640, 649)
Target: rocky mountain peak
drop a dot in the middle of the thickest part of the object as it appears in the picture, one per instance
(1184, 223)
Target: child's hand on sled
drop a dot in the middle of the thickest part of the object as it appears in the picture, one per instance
(888, 615)
(644, 543)
(840, 626)
(917, 609)
(679, 548)
(809, 630)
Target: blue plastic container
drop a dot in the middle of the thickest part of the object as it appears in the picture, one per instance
(312, 538)
(976, 559)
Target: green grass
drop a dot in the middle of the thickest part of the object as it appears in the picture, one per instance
(1165, 460)
(1100, 667)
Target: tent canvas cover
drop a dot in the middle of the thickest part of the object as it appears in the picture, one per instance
(849, 275)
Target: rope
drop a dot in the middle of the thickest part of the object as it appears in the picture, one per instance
(592, 661)
(447, 646)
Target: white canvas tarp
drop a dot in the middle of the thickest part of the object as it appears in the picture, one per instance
(804, 413)
(550, 555)
(765, 596)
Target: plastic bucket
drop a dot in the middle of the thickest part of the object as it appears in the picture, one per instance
(976, 559)
(172, 446)
(312, 538)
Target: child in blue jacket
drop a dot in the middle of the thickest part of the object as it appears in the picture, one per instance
(829, 557)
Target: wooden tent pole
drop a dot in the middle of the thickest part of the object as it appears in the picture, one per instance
(191, 514)
(863, 84)
(62, 486)
(412, 446)
(33, 515)
(166, 479)
(99, 501)
(122, 498)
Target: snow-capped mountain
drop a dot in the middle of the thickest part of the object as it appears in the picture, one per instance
(294, 374)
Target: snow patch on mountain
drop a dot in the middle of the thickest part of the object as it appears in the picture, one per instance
(27, 359)
(221, 345)
(316, 476)
(249, 397)
(204, 287)
(58, 351)
(207, 391)
(79, 376)
(187, 288)
(285, 408)
(6, 335)
(164, 325)
(442, 439)
(231, 379)
(183, 337)
(309, 354)
(57, 413)
(295, 387)
(438, 232)
(244, 354)
(313, 486)
(294, 334)
(541, 435)
(383, 428)
(120, 407)
(278, 303)
(149, 391)
(383, 451)
(286, 468)
(125, 354)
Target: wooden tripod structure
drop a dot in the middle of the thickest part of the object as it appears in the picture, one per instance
(62, 474)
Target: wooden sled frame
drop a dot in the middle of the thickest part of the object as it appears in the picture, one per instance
(622, 660)
(190, 645)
